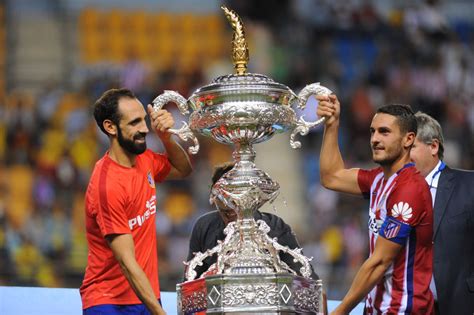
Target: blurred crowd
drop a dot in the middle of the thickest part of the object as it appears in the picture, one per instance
(49, 141)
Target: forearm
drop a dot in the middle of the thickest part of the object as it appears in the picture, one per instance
(177, 156)
(370, 273)
(141, 286)
(330, 157)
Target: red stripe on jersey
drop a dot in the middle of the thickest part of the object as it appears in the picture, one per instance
(385, 191)
(398, 284)
(379, 292)
(105, 213)
(372, 243)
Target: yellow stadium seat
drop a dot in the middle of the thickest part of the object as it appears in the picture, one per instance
(137, 22)
(163, 22)
(114, 21)
(89, 19)
(19, 188)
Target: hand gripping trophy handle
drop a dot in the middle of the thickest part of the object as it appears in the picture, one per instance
(302, 127)
(184, 133)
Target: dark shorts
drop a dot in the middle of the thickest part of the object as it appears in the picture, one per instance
(114, 309)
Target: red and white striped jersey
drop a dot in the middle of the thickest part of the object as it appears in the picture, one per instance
(401, 211)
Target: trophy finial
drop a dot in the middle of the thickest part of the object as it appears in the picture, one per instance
(240, 50)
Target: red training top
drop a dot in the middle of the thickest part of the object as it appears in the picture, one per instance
(121, 200)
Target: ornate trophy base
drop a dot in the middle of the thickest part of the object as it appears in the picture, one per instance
(272, 293)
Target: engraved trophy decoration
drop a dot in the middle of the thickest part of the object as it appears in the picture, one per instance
(243, 109)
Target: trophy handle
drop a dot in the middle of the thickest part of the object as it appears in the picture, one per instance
(302, 126)
(184, 133)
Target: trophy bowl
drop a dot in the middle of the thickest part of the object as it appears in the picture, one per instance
(242, 108)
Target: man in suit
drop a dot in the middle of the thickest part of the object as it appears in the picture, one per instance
(452, 193)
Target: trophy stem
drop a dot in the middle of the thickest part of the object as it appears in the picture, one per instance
(244, 157)
(243, 153)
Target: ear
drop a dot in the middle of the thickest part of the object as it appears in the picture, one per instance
(434, 147)
(110, 127)
(409, 139)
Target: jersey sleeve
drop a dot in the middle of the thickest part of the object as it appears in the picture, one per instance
(407, 205)
(161, 166)
(111, 214)
(365, 179)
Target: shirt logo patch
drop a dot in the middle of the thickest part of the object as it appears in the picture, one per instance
(150, 179)
(402, 209)
(392, 229)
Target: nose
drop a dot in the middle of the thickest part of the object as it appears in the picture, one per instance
(144, 128)
(374, 139)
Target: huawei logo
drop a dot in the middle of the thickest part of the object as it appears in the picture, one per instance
(402, 209)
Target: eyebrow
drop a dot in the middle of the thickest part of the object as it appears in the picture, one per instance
(136, 120)
(381, 129)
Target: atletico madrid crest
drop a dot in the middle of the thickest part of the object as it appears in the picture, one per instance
(150, 179)
(392, 229)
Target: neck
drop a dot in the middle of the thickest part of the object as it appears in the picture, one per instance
(122, 157)
(432, 166)
(389, 170)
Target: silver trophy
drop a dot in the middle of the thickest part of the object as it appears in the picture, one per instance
(243, 109)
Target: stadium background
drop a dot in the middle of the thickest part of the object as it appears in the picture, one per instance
(58, 56)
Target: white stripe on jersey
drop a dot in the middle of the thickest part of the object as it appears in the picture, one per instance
(379, 201)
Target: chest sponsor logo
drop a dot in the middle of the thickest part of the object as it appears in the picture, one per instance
(374, 225)
(150, 210)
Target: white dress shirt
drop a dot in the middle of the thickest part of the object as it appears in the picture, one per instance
(432, 179)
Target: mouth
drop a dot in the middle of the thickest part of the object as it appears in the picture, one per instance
(140, 140)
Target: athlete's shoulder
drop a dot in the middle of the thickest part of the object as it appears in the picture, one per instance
(108, 175)
(150, 155)
(365, 177)
(208, 218)
(412, 177)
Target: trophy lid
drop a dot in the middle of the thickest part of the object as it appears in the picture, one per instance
(241, 80)
(244, 82)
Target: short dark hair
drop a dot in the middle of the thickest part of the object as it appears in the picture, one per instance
(405, 117)
(106, 107)
(220, 171)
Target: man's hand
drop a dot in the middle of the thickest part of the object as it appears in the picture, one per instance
(328, 107)
(161, 121)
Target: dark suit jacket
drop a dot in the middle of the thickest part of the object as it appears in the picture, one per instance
(209, 228)
(453, 235)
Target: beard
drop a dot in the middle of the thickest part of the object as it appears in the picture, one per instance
(388, 159)
(130, 145)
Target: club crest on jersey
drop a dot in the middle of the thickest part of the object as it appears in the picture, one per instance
(403, 210)
(392, 229)
(150, 179)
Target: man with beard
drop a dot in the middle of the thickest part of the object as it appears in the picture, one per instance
(400, 212)
(122, 269)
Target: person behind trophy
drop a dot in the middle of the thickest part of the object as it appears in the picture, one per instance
(122, 268)
(452, 193)
(209, 228)
(395, 278)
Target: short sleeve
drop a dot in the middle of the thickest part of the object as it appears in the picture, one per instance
(365, 179)
(409, 202)
(161, 166)
(111, 215)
